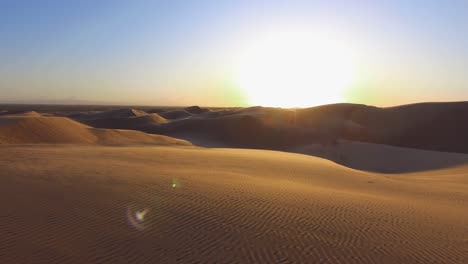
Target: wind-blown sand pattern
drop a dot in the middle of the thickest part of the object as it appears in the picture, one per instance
(74, 193)
(70, 205)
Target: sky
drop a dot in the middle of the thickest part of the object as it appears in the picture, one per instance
(187, 52)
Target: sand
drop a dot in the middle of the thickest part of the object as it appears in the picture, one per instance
(175, 114)
(428, 126)
(63, 204)
(75, 192)
(20, 113)
(383, 158)
(28, 130)
(116, 113)
(135, 123)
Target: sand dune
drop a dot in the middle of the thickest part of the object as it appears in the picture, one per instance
(297, 130)
(20, 113)
(310, 131)
(27, 130)
(117, 113)
(383, 158)
(69, 199)
(240, 130)
(86, 205)
(135, 123)
(155, 111)
(175, 114)
(196, 110)
(150, 118)
(431, 126)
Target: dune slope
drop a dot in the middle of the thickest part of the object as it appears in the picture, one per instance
(141, 122)
(28, 130)
(383, 158)
(95, 204)
(117, 113)
(429, 126)
(21, 113)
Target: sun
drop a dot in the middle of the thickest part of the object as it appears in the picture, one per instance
(295, 69)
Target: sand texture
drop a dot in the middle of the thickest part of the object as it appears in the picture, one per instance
(28, 130)
(82, 204)
(331, 184)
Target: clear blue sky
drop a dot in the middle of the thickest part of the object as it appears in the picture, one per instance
(180, 52)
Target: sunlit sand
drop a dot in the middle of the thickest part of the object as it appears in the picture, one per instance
(72, 193)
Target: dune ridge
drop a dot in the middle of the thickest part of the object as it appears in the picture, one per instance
(342, 133)
(27, 130)
(135, 123)
(20, 113)
(115, 113)
(429, 126)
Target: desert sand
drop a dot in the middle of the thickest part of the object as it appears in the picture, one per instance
(36, 129)
(73, 193)
(70, 205)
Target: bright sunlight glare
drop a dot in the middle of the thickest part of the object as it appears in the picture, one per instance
(295, 69)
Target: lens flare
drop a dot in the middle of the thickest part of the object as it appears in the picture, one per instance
(175, 184)
(136, 218)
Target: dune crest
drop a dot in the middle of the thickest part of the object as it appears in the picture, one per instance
(21, 113)
(135, 123)
(116, 113)
(27, 130)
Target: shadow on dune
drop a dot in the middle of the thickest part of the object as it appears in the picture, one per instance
(383, 158)
(241, 131)
(430, 126)
(425, 126)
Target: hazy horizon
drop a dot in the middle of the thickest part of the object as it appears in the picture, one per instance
(239, 53)
(76, 102)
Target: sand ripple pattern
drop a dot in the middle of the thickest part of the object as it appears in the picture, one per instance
(69, 204)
